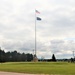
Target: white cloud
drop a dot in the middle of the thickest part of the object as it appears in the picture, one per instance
(17, 26)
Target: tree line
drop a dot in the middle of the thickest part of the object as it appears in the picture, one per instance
(14, 56)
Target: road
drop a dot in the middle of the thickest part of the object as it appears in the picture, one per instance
(11, 73)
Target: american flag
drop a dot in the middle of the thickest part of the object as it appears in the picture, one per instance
(37, 11)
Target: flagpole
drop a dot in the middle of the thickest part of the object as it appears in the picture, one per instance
(35, 33)
(35, 59)
(35, 55)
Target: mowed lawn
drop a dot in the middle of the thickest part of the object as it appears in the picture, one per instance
(39, 67)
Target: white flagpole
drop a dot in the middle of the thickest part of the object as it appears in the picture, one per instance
(35, 33)
(35, 55)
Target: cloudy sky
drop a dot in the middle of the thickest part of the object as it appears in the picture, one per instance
(55, 32)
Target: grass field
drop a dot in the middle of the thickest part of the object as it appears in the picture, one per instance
(61, 68)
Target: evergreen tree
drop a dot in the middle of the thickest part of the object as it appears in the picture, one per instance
(2, 56)
(14, 56)
(53, 58)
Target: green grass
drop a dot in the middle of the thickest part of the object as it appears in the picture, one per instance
(39, 67)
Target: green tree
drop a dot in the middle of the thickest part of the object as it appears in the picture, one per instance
(2, 56)
(53, 58)
(14, 56)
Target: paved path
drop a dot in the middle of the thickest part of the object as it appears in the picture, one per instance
(11, 73)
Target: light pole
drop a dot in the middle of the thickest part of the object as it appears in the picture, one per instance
(73, 55)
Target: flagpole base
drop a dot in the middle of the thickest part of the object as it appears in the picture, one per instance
(35, 59)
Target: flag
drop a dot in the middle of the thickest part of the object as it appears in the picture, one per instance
(37, 11)
(38, 18)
